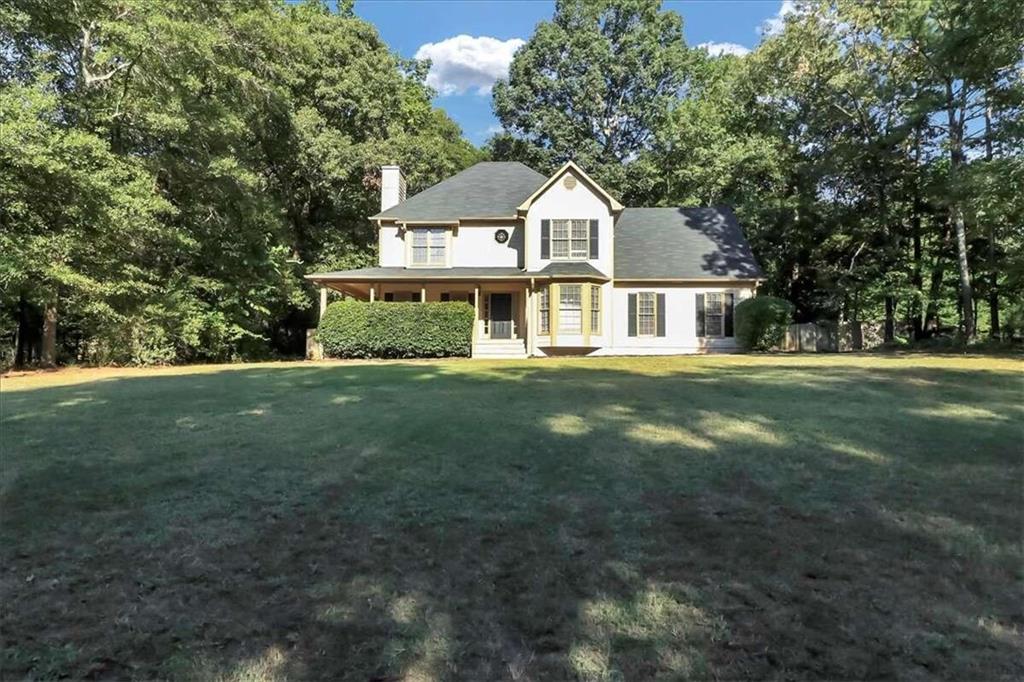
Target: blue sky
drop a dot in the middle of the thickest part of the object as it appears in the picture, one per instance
(472, 41)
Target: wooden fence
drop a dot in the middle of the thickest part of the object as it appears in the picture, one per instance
(829, 337)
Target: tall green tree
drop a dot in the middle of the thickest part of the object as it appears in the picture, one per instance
(966, 53)
(256, 129)
(595, 84)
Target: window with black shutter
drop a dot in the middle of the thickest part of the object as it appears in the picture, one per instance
(715, 315)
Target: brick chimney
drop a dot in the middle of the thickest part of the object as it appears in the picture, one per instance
(392, 187)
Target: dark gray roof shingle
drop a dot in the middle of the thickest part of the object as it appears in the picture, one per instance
(682, 243)
(414, 274)
(553, 270)
(570, 269)
(491, 189)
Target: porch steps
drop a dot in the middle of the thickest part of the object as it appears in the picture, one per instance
(511, 349)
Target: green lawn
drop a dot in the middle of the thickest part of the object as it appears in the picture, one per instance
(721, 517)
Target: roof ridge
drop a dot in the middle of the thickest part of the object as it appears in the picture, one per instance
(676, 208)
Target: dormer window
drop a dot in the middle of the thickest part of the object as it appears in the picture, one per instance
(429, 247)
(570, 239)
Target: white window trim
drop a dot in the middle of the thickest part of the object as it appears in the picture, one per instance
(410, 236)
(654, 313)
(595, 295)
(721, 314)
(551, 240)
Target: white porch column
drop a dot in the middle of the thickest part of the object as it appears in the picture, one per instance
(373, 291)
(423, 293)
(528, 319)
(476, 312)
(323, 301)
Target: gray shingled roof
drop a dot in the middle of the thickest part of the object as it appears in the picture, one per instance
(682, 243)
(553, 270)
(569, 269)
(416, 274)
(491, 189)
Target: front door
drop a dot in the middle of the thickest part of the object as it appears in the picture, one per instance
(501, 316)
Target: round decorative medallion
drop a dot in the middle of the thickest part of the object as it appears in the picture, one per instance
(501, 236)
(569, 182)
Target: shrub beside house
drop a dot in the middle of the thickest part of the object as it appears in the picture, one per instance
(761, 322)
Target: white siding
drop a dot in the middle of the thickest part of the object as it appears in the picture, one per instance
(392, 248)
(579, 202)
(474, 246)
(471, 246)
(680, 322)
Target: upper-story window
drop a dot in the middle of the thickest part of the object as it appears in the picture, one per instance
(570, 239)
(429, 246)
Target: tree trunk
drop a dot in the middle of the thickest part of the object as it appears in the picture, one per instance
(931, 316)
(956, 136)
(917, 278)
(48, 358)
(890, 322)
(993, 271)
(23, 332)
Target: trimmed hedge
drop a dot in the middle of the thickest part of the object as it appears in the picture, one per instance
(354, 329)
(761, 322)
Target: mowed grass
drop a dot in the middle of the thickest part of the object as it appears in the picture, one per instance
(827, 517)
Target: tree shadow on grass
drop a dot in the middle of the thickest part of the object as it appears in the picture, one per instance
(529, 521)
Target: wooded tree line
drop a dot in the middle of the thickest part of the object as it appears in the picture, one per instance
(873, 150)
(170, 170)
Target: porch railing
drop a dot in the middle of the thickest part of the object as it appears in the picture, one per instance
(496, 329)
(501, 329)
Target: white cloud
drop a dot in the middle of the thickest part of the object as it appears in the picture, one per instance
(775, 25)
(494, 129)
(463, 63)
(718, 49)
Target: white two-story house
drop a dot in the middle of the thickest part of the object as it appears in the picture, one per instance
(556, 264)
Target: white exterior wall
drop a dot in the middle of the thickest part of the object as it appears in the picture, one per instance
(392, 248)
(579, 202)
(474, 246)
(680, 321)
(471, 246)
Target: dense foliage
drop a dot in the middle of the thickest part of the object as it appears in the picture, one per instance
(171, 170)
(354, 329)
(761, 322)
(872, 150)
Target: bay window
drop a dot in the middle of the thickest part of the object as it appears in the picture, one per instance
(544, 311)
(570, 309)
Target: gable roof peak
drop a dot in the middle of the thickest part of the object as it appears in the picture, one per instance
(568, 166)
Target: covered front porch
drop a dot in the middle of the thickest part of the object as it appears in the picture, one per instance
(501, 306)
(505, 302)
